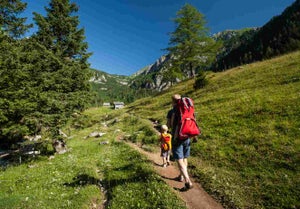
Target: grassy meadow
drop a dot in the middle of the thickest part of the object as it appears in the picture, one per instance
(96, 172)
(248, 155)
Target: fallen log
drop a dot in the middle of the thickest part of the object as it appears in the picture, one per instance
(7, 153)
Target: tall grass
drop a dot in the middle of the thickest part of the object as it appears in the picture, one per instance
(248, 155)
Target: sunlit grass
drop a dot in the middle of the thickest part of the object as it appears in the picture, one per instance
(246, 157)
(91, 173)
(248, 154)
(46, 183)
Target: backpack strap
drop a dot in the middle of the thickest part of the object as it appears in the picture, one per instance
(187, 102)
(190, 102)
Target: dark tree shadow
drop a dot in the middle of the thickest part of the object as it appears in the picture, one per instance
(83, 180)
(157, 164)
(166, 177)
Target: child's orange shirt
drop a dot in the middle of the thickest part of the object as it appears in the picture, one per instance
(166, 139)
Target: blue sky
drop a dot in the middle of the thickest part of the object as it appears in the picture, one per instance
(127, 35)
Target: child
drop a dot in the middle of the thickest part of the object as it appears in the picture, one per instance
(165, 141)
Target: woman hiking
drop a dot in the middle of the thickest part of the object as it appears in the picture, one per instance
(180, 148)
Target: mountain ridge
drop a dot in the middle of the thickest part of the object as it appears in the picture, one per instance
(150, 78)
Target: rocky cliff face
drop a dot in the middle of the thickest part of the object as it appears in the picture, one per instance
(155, 67)
(100, 77)
(150, 76)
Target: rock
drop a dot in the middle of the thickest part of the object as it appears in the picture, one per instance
(62, 133)
(33, 138)
(104, 142)
(96, 134)
(59, 146)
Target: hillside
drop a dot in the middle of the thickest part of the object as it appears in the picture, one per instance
(278, 36)
(109, 88)
(248, 154)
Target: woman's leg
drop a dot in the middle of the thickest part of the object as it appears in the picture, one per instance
(185, 162)
(183, 170)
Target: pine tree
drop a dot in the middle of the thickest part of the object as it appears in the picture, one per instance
(10, 22)
(38, 90)
(58, 31)
(190, 45)
(44, 79)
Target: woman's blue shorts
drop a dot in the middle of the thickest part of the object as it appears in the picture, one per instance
(181, 149)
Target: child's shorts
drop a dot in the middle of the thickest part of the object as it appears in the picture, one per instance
(164, 153)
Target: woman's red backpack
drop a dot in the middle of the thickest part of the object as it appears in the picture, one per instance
(187, 125)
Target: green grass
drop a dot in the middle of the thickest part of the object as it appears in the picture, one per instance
(75, 179)
(249, 153)
(52, 183)
(133, 184)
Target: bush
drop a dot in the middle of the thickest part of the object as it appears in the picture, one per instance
(200, 81)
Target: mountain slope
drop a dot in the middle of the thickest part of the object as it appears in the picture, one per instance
(110, 88)
(278, 36)
(150, 76)
(248, 155)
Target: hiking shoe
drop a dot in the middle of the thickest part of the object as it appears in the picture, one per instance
(187, 186)
(165, 165)
(179, 178)
(168, 163)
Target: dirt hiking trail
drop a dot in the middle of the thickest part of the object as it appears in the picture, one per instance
(195, 198)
